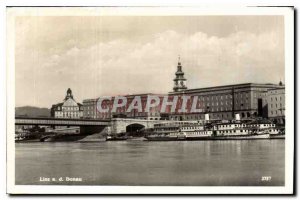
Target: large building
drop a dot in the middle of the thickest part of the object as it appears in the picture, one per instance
(90, 109)
(69, 108)
(249, 100)
(223, 102)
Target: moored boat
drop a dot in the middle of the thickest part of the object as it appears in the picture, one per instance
(230, 130)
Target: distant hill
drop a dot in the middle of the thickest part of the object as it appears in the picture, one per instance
(31, 111)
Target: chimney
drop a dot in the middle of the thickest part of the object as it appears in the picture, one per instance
(206, 117)
(237, 117)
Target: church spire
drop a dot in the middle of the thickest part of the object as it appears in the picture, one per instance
(179, 81)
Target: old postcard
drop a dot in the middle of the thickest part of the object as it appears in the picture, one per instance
(150, 100)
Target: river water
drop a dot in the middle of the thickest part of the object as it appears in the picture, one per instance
(197, 163)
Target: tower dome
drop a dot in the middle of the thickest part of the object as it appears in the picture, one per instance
(69, 94)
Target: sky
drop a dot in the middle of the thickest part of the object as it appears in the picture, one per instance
(118, 55)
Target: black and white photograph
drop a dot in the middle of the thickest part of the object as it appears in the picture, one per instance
(200, 100)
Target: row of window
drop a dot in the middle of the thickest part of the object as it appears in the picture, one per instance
(232, 125)
(68, 108)
(233, 131)
(281, 91)
(90, 107)
(192, 128)
(276, 98)
(276, 106)
(226, 96)
(244, 125)
(202, 133)
(213, 109)
(68, 114)
(201, 97)
(212, 115)
(277, 112)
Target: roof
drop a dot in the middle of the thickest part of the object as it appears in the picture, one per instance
(282, 88)
(233, 86)
(56, 105)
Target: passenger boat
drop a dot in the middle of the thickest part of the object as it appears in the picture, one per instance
(230, 130)
(174, 131)
(238, 130)
(196, 131)
(26, 136)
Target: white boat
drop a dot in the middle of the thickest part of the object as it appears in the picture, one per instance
(244, 130)
(234, 130)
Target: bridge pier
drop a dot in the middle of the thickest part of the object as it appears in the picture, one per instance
(119, 125)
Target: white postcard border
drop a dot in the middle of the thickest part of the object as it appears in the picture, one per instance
(142, 11)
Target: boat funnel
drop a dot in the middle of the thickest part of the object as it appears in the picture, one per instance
(237, 117)
(206, 117)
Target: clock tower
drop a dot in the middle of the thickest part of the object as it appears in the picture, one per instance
(179, 80)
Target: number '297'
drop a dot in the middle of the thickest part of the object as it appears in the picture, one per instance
(266, 178)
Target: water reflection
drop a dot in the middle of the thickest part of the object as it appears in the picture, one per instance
(153, 163)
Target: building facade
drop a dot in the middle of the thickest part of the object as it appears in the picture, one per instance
(276, 105)
(249, 100)
(223, 102)
(90, 109)
(69, 108)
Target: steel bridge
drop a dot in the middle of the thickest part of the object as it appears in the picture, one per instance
(60, 121)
